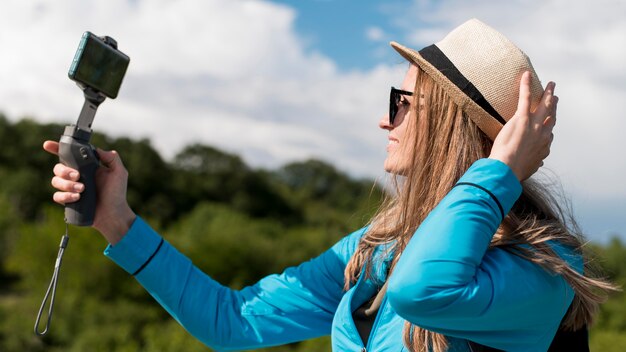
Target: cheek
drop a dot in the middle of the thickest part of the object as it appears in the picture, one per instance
(399, 158)
(403, 131)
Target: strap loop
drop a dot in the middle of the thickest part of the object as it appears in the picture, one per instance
(52, 288)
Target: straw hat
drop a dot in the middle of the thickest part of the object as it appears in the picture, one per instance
(480, 69)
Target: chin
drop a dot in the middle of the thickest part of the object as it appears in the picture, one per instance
(394, 168)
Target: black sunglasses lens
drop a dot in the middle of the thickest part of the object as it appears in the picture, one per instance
(394, 100)
(393, 105)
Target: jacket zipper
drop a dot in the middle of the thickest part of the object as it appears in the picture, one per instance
(376, 320)
(352, 324)
(374, 326)
(378, 314)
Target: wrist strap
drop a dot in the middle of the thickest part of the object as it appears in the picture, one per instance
(52, 288)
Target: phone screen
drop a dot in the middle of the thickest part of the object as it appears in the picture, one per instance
(99, 65)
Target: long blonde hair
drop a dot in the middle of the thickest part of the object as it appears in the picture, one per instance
(445, 143)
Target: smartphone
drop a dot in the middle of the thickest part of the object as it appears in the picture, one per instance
(99, 65)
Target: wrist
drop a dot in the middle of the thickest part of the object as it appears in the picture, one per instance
(508, 162)
(115, 227)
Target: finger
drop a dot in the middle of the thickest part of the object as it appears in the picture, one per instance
(546, 133)
(549, 122)
(554, 107)
(546, 104)
(51, 147)
(65, 185)
(523, 104)
(110, 159)
(66, 172)
(549, 90)
(65, 197)
(546, 153)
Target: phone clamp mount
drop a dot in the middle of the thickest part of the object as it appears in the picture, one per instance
(76, 152)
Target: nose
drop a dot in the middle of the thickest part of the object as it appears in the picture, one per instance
(384, 124)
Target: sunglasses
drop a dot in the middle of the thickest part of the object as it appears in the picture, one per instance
(394, 101)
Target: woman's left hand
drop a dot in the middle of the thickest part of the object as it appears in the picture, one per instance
(525, 139)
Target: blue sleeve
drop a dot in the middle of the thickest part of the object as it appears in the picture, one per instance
(448, 281)
(296, 305)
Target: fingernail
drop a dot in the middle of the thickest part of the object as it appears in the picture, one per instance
(74, 196)
(74, 175)
(79, 187)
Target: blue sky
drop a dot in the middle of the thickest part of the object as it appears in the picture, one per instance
(339, 29)
(277, 81)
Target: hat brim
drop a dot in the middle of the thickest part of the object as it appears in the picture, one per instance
(487, 123)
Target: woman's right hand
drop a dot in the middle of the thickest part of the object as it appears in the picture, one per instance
(525, 139)
(113, 214)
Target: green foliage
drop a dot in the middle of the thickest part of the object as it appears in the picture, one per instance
(611, 259)
(203, 173)
(8, 233)
(230, 246)
(236, 223)
(23, 167)
(609, 331)
(607, 341)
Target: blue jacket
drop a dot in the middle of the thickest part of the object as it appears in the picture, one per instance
(447, 280)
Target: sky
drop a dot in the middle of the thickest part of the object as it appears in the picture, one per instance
(280, 81)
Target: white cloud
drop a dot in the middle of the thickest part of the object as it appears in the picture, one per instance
(581, 46)
(234, 74)
(228, 73)
(375, 34)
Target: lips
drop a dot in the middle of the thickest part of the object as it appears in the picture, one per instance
(392, 143)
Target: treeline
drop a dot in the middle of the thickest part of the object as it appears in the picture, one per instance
(235, 222)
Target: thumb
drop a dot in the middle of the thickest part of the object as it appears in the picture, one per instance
(110, 159)
(51, 147)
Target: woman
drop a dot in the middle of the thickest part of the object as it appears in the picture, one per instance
(465, 256)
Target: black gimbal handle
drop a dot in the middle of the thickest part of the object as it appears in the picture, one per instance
(76, 152)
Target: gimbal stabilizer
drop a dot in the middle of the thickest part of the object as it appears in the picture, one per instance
(98, 69)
